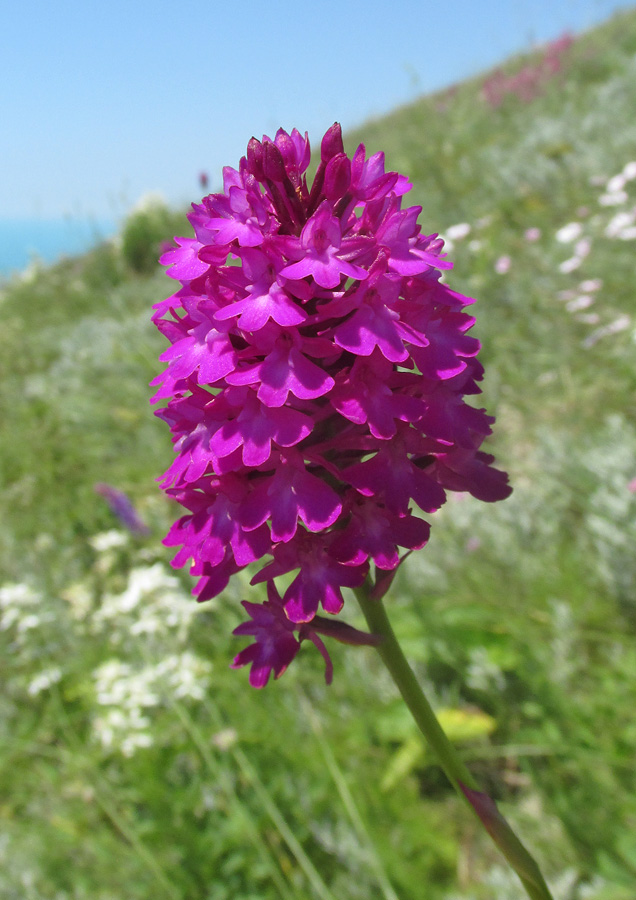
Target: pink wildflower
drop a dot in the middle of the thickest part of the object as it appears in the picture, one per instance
(527, 84)
(315, 381)
(502, 265)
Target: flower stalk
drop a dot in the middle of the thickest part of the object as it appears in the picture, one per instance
(481, 804)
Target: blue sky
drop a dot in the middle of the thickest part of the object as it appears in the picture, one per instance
(103, 102)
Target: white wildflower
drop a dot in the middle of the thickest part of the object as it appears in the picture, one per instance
(582, 248)
(588, 318)
(135, 741)
(629, 171)
(457, 232)
(155, 601)
(128, 693)
(18, 594)
(620, 324)
(117, 730)
(618, 222)
(569, 265)
(225, 739)
(590, 285)
(43, 680)
(628, 234)
(474, 246)
(616, 184)
(186, 675)
(9, 618)
(119, 684)
(108, 540)
(569, 232)
(579, 303)
(79, 598)
(28, 623)
(613, 199)
(22, 609)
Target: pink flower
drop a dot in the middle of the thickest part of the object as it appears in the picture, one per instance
(528, 83)
(315, 383)
(502, 265)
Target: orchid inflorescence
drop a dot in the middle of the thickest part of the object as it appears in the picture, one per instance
(315, 382)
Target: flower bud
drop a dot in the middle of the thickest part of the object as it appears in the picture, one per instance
(286, 146)
(255, 158)
(331, 143)
(273, 163)
(337, 177)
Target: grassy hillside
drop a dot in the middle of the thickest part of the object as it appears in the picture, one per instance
(133, 741)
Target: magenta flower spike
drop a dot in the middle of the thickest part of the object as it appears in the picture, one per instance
(315, 385)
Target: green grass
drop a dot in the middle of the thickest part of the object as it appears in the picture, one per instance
(163, 774)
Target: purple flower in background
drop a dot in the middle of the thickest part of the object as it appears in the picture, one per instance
(315, 381)
(121, 506)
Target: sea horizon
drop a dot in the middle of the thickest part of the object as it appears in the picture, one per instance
(47, 240)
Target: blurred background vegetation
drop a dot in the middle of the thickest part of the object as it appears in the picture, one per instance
(134, 764)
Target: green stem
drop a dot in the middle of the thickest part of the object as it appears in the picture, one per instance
(457, 773)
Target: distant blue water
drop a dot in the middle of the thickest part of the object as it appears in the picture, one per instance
(22, 240)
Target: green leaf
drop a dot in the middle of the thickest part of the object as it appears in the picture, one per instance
(460, 725)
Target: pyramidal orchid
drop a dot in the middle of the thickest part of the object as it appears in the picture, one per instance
(316, 382)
